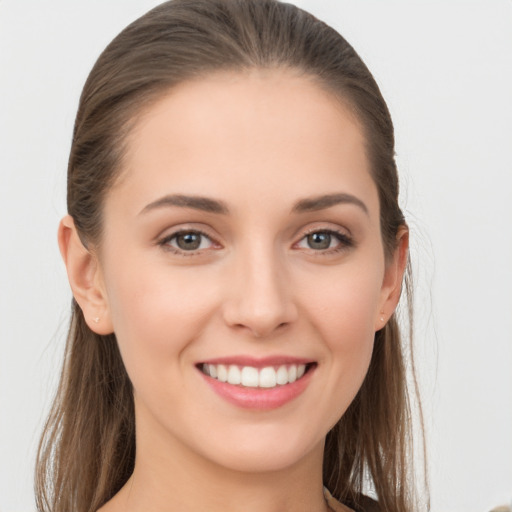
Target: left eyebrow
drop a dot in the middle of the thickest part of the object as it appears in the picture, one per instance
(312, 204)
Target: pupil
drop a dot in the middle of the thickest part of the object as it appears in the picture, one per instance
(319, 240)
(189, 241)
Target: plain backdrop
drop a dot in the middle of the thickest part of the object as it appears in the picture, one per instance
(444, 68)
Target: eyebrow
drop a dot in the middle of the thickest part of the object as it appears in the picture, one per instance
(196, 202)
(326, 201)
(209, 205)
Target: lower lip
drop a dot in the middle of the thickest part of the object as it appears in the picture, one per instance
(259, 398)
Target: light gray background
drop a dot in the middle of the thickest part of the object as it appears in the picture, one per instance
(444, 68)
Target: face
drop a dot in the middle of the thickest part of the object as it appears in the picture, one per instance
(242, 269)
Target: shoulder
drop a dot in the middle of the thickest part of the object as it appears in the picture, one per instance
(365, 504)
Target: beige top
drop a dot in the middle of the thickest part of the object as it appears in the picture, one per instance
(334, 504)
(367, 504)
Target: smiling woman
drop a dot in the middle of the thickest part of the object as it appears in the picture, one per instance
(236, 254)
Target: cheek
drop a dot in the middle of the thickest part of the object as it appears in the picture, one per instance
(344, 315)
(156, 314)
(345, 307)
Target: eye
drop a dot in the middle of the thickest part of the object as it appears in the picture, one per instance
(187, 241)
(325, 240)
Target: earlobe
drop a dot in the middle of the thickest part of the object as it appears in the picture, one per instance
(85, 278)
(393, 278)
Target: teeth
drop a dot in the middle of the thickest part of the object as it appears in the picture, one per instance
(282, 375)
(248, 376)
(222, 373)
(268, 378)
(234, 375)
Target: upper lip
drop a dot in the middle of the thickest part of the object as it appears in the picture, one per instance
(257, 362)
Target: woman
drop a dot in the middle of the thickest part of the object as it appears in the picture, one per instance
(236, 254)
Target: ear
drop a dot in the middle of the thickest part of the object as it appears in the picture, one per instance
(85, 278)
(393, 277)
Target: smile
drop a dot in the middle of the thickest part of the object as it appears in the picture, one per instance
(258, 384)
(266, 377)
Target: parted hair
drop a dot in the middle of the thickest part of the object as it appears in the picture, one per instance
(87, 450)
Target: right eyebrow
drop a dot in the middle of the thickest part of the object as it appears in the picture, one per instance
(205, 204)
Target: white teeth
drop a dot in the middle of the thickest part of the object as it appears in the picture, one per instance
(267, 377)
(248, 376)
(234, 375)
(282, 375)
(222, 373)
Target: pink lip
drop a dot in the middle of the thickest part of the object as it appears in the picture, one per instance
(259, 398)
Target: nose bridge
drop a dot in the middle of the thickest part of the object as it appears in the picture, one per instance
(261, 297)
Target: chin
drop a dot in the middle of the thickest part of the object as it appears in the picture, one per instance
(262, 453)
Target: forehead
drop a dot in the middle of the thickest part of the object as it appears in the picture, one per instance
(261, 133)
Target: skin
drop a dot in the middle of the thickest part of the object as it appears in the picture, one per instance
(259, 142)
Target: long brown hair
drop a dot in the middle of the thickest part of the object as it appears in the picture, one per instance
(87, 451)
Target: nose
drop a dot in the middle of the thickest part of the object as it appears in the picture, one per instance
(260, 295)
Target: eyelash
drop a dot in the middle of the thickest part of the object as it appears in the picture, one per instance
(345, 241)
(165, 242)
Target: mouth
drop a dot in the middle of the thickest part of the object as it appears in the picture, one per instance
(263, 377)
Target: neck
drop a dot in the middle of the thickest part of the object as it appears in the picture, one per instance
(176, 478)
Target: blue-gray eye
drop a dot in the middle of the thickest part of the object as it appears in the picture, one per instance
(326, 240)
(319, 240)
(188, 241)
